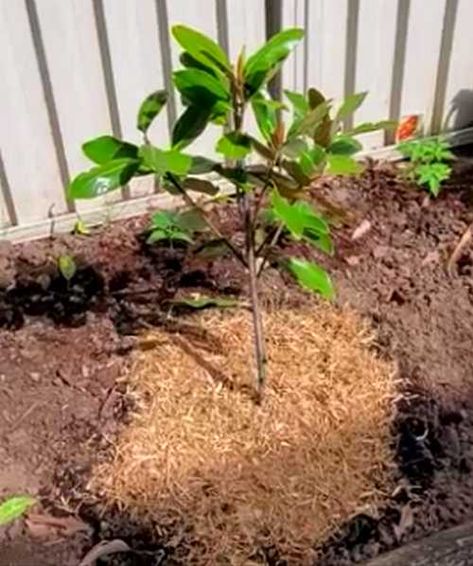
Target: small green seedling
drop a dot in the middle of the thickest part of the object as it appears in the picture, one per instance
(428, 162)
(269, 172)
(15, 507)
(67, 267)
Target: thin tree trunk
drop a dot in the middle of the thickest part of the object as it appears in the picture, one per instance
(259, 339)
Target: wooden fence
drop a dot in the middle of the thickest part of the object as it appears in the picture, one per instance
(73, 69)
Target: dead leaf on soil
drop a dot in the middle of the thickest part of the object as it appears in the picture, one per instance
(458, 249)
(104, 548)
(42, 525)
(363, 228)
(405, 522)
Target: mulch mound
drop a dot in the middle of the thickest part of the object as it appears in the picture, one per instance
(231, 478)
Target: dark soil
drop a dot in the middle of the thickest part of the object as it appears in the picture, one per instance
(64, 349)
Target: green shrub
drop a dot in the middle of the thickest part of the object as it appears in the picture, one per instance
(269, 189)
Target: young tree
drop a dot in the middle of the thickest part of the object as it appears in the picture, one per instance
(270, 190)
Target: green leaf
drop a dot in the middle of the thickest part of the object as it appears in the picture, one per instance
(106, 148)
(313, 119)
(342, 165)
(200, 186)
(200, 88)
(234, 145)
(190, 62)
(351, 103)
(201, 47)
(103, 179)
(298, 217)
(299, 103)
(311, 276)
(161, 162)
(190, 125)
(317, 154)
(265, 114)
(212, 249)
(321, 241)
(177, 235)
(67, 266)
(345, 145)
(261, 65)
(368, 127)
(150, 108)
(201, 165)
(202, 302)
(433, 175)
(80, 228)
(295, 147)
(15, 507)
(315, 97)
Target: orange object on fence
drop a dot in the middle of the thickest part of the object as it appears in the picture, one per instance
(407, 127)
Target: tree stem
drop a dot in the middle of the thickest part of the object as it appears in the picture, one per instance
(259, 340)
(191, 202)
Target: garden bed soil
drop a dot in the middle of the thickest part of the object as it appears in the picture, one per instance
(65, 352)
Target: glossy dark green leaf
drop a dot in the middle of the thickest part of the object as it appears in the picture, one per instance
(265, 115)
(313, 119)
(323, 132)
(317, 154)
(190, 125)
(200, 186)
(295, 147)
(298, 101)
(261, 65)
(342, 165)
(161, 161)
(15, 507)
(299, 218)
(201, 165)
(321, 241)
(315, 97)
(311, 276)
(306, 164)
(263, 150)
(150, 108)
(200, 88)
(297, 172)
(351, 103)
(234, 145)
(201, 47)
(345, 145)
(190, 62)
(103, 179)
(106, 148)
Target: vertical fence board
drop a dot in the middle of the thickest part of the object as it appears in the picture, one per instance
(137, 71)
(374, 64)
(25, 137)
(201, 15)
(73, 54)
(422, 55)
(459, 88)
(246, 27)
(294, 70)
(326, 46)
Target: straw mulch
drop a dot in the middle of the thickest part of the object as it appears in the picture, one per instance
(228, 478)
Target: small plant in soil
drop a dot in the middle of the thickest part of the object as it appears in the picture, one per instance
(428, 162)
(269, 174)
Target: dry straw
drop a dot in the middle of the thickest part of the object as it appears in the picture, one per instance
(199, 458)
